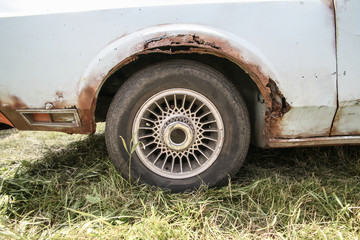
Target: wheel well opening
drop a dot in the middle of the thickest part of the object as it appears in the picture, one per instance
(241, 80)
(4, 126)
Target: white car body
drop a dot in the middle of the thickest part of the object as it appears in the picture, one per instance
(302, 56)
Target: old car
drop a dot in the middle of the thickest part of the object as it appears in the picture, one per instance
(186, 85)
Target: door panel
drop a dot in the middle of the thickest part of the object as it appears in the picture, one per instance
(347, 119)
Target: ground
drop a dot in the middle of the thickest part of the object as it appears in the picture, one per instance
(59, 186)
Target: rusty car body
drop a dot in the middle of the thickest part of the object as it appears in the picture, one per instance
(295, 62)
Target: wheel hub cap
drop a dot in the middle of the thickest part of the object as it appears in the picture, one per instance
(178, 133)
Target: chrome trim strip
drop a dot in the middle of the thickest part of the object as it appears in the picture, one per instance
(312, 142)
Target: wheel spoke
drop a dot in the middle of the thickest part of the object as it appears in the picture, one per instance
(151, 152)
(208, 147)
(165, 160)
(146, 128)
(149, 143)
(207, 158)
(211, 130)
(205, 114)
(157, 157)
(159, 106)
(209, 138)
(167, 104)
(181, 164)
(146, 136)
(188, 161)
(192, 103)
(198, 109)
(197, 160)
(153, 113)
(172, 164)
(208, 122)
(149, 120)
(175, 104)
(183, 102)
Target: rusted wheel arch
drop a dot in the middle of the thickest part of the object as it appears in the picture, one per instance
(167, 50)
(182, 44)
(252, 70)
(171, 52)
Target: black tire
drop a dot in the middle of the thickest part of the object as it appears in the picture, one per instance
(185, 167)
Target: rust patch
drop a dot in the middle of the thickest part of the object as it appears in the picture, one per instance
(13, 103)
(279, 107)
(86, 107)
(178, 40)
(60, 102)
(60, 95)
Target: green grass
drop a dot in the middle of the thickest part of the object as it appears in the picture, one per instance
(59, 186)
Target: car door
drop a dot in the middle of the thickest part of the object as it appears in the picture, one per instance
(347, 118)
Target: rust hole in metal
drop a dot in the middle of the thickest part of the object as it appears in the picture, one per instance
(279, 105)
(178, 40)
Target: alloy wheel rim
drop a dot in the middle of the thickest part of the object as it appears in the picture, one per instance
(181, 132)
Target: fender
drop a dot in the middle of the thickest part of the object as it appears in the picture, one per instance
(199, 39)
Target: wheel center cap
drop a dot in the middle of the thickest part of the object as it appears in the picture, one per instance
(178, 135)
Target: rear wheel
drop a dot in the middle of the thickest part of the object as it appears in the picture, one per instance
(192, 124)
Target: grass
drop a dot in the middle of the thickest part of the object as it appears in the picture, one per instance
(58, 186)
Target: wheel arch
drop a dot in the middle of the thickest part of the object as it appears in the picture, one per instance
(181, 41)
